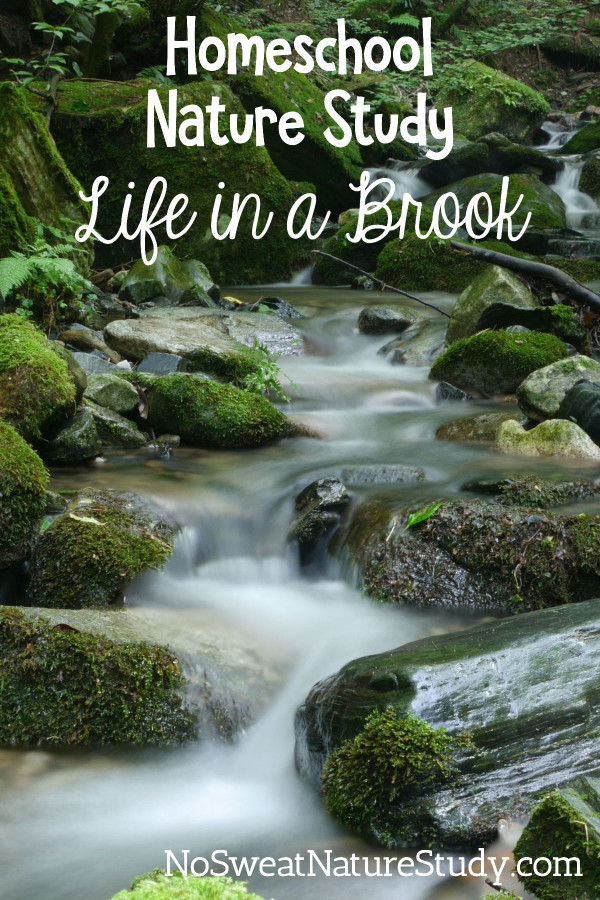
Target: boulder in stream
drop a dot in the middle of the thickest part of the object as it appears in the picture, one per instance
(471, 554)
(23, 483)
(319, 510)
(559, 320)
(488, 100)
(494, 285)
(89, 555)
(385, 320)
(496, 362)
(581, 404)
(481, 428)
(187, 282)
(492, 718)
(207, 414)
(542, 392)
(217, 342)
(555, 437)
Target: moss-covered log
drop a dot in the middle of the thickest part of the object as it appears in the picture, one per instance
(520, 699)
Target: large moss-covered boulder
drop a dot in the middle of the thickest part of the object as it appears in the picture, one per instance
(542, 392)
(101, 127)
(23, 483)
(559, 319)
(496, 362)
(555, 437)
(37, 391)
(565, 827)
(414, 264)
(471, 553)
(186, 281)
(207, 414)
(64, 684)
(156, 886)
(485, 100)
(493, 285)
(129, 676)
(362, 254)
(546, 207)
(508, 711)
(89, 555)
(588, 138)
(224, 344)
(35, 183)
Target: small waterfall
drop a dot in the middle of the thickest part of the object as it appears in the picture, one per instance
(303, 278)
(582, 211)
(557, 134)
(406, 180)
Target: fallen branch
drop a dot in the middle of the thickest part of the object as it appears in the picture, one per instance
(537, 269)
(382, 284)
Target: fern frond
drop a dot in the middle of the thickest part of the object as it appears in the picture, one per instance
(14, 272)
(405, 21)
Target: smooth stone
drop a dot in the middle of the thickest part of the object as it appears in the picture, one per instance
(385, 320)
(92, 364)
(116, 432)
(419, 349)
(76, 443)
(542, 392)
(162, 364)
(112, 392)
(189, 330)
(481, 428)
(168, 277)
(555, 437)
(84, 339)
(494, 285)
(319, 509)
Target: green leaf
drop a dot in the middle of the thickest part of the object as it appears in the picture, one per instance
(421, 515)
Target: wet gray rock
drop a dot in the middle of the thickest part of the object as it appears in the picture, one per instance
(581, 404)
(187, 282)
(542, 392)
(386, 320)
(92, 364)
(76, 443)
(115, 432)
(447, 393)
(419, 348)
(531, 490)
(84, 339)
(280, 307)
(481, 428)
(162, 364)
(319, 510)
(112, 392)
(555, 437)
(525, 691)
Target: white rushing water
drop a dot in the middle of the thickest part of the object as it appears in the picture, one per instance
(583, 213)
(81, 826)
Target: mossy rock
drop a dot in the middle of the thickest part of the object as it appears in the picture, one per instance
(331, 169)
(76, 443)
(90, 554)
(101, 127)
(531, 490)
(361, 254)
(546, 207)
(37, 391)
(590, 177)
(559, 320)
(555, 437)
(565, 825)
(496, 362)
(585, 140)
(156, 886)
(485, 100)
(381, 772)
(519, 700)
(62, 687)
(207, 414)
(35, 183)
(541, 393)
(179, 281)
(493, 285)
(426, 265)
(472, 554)
(23, 484)
(480, 429)
(575, 48)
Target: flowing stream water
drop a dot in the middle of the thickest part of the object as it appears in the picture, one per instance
(76, 826)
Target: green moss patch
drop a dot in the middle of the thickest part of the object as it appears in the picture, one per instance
(60, 687)
(89, 555)
(156, 886)
(37, 391)
(207, 414)
(496, 362)
(23, 483)
(371, 782)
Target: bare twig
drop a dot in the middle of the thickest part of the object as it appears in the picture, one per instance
(382, 284)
